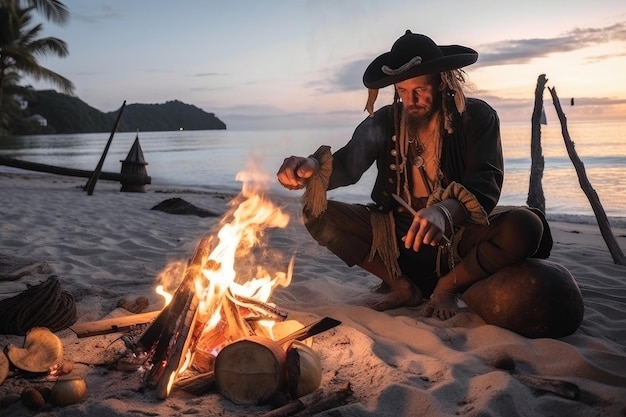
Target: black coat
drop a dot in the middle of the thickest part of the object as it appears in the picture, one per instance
(471, 156)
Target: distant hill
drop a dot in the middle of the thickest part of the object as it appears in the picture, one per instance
(67, 114)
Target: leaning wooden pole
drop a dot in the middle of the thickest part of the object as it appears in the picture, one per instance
(91, 182)
(592, 196)
(536, 198)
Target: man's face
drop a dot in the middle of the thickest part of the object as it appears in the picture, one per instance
(419, 97)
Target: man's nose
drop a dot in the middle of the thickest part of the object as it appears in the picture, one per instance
(413, 99)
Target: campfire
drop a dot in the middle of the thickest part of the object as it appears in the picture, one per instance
(217, 318)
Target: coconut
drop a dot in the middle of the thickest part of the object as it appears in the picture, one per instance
(41, 351)
(68, 390)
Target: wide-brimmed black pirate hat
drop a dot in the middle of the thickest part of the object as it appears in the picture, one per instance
(413, 55)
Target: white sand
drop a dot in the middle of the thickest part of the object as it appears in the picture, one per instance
(110, 246)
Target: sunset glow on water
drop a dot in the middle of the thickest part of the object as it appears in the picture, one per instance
(210, 160)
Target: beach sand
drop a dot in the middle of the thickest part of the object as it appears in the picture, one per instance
(111, 246)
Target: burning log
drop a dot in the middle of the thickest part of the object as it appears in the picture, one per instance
(167, 335)
(173, 340)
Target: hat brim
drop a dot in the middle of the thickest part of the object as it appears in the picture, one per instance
(454, 57)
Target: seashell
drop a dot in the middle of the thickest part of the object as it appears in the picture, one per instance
(32, 399)
(68, 391)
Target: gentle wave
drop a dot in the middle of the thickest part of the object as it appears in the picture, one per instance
(211, 160)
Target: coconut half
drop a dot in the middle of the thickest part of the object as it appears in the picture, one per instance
(41, 351)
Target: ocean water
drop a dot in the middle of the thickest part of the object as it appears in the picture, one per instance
(210, 160)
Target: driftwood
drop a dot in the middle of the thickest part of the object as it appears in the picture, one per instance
(71, 172)
(312, 403)
(592, 196)
(332, 400)
(113, 325)
(296, 405)
(536, 198)
(91, 182)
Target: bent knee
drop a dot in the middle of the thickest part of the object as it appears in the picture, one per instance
(525, 230)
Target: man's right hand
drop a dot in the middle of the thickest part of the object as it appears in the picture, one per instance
(295, 171)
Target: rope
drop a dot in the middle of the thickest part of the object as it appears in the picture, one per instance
(42, 305)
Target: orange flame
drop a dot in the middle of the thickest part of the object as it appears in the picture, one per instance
(241, 231)
(251, 215)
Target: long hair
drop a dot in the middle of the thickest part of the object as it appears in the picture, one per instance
(452, 83)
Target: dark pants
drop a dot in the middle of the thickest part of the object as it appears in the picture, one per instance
(514, 234)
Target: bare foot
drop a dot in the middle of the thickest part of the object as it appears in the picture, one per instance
(402, 293)
(442, 305)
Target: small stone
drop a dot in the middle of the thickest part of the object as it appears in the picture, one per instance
(32, 399)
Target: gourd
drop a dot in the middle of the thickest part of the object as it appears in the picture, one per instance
(67, 391)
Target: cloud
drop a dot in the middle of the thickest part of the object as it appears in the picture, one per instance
(518, 51)
(104, 14)
(207, 74)
(349, 77)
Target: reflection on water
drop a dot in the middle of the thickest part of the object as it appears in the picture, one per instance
(211, 159)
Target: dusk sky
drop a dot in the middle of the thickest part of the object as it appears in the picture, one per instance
(289, 63)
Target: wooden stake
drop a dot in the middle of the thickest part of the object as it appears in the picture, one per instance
(592, 196)
(536, 198)
(91, 183)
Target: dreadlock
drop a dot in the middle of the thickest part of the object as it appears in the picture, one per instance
(452, 88)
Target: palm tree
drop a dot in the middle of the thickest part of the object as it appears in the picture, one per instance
(20, 44)
(52, 10)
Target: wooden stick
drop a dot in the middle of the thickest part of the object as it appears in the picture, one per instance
(412, 211)
(592, 196)
(112, 325)
(536, 197)
(91, 182)
(71, 172)
(197, 384)
(334, 399)
(296, 405)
